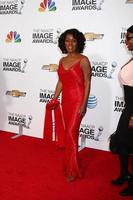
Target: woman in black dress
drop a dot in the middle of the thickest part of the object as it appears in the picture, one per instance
(124, 131)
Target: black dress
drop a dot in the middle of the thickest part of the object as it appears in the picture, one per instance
(125, 134)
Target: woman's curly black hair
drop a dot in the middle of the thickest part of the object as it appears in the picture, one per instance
(79, 36)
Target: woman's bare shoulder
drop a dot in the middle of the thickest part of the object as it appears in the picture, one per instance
(61, 59)
(85, 59)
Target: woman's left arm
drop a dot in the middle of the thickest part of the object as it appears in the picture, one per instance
(86, 68)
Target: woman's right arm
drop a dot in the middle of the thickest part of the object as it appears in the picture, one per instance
(58, 89)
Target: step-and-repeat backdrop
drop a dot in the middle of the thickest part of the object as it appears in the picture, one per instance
(29, 57)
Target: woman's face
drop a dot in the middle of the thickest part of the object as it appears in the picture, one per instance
(129, 41)
(70, 43)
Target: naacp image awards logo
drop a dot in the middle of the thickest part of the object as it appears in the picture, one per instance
(45, 95)
(11, 7)
(14, 64)
(119, 104)
(103, 69)
(46, 35)
(16, 119)
(87, 4)
(123, 35)
(90, 132)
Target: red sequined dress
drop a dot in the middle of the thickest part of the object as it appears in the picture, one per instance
(72, 97)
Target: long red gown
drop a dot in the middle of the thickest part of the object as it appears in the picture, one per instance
(72, 96)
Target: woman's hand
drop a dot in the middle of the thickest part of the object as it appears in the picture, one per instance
(130, 125)
(53, 103)
(82, 110)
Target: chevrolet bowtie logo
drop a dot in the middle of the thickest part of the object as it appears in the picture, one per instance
(92, 36)
(50, 67)
(16, 93)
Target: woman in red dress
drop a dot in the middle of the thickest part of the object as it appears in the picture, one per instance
(74, 83)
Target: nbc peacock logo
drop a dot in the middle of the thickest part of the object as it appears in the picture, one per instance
(47, 5)
(13, 36)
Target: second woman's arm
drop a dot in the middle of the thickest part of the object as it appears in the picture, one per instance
(58, 89)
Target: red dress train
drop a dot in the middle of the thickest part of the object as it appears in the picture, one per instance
(72, 97)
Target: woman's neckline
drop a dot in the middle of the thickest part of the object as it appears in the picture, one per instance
(71, 66)
(131, 60)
